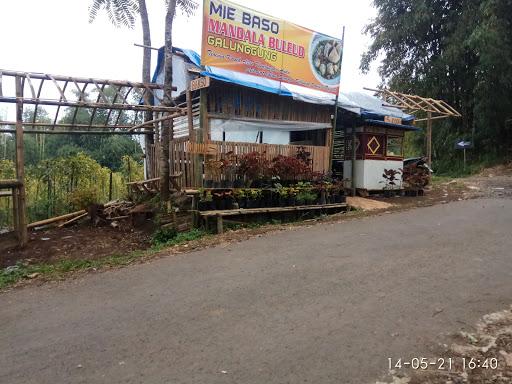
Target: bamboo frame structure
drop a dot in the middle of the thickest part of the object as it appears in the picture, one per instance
(123, 104)
(414, 104)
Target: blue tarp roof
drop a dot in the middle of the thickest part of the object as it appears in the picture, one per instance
(365, 105)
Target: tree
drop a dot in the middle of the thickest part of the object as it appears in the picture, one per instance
(124, 13)
(188, 7)
(456, 50)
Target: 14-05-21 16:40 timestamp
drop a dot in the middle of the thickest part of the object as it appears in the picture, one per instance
(442, 364)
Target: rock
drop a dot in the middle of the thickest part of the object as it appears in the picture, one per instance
(470, 337)
(11, 269)
(34, 275)
(508, 358)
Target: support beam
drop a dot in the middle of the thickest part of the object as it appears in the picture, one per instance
(69, 132)
(159, 120)
(190, 117)
(83, 104)
(20, 168)
(429, 139)
(65, 125)
(43, 76)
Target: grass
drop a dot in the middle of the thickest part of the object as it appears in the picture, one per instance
(12, 275)
(179, 238)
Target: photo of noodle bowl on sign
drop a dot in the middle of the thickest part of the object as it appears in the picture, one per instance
(242, 40)
(326, 59)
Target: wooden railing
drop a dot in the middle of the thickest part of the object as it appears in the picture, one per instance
(189, 158)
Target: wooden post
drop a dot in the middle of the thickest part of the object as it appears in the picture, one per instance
(429, 138)
(220, 224)
(110, 188)
(202, 136)
(190, 117)
(15, 217)
(353, 175)
(20, 167)
(329, 138)
(204, 115)
(335, 119)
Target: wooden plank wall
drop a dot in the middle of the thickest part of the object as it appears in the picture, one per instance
(184, 154)
(242, 102)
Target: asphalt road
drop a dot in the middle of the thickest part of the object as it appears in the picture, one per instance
(324, 304)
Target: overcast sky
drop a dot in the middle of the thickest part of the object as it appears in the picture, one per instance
(54, 36)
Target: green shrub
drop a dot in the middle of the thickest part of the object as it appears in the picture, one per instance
(163, 236)
(83, 198)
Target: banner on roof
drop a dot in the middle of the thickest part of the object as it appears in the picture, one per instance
(242, 40)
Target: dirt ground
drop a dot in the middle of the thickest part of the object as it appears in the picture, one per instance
(79, 242)
(488, 343)
(87, 242)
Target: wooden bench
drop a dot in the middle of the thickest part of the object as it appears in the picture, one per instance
(219, 215)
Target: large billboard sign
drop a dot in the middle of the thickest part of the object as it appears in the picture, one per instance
(243, 40)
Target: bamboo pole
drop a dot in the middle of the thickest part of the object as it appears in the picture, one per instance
(15, 201)
(73, 220)
(83, 104)
(160, 119)
(56, 219)
(43, 76)
(429, 139)
(20, 168)
(73, 132)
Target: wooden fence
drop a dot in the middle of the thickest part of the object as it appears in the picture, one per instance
(190, 158)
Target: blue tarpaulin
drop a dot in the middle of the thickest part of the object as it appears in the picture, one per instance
(365, 105)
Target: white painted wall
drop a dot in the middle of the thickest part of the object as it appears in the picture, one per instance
(369, 173)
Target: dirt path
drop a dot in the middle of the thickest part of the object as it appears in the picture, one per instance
(326, 304)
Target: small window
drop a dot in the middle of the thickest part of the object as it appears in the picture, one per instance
(394, 146)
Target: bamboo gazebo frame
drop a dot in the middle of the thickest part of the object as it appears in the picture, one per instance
(414, 104)
(72, 93)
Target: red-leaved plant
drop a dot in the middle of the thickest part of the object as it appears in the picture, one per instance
(254, 166)
(289, 168)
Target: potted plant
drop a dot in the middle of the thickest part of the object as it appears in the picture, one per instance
(282, 193)
(292, 196)
(323, 188)
(289, 169)
(241, 198)
(415, 179)
(390, 178)
(229, 199)
(218, 201)
(306, 197)
(229, 169)
(255, 167)
(254, 198)
(337, 192)
(266, 198)
(213, 172)
(205, 203)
